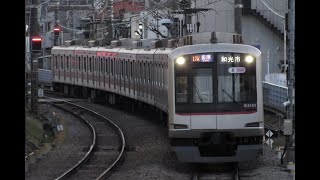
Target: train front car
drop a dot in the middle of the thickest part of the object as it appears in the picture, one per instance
(215, 103)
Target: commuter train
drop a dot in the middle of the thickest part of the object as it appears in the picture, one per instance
(208, 84)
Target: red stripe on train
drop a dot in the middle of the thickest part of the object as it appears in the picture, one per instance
(215, 113)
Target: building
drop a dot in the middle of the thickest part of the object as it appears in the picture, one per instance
(261, 23)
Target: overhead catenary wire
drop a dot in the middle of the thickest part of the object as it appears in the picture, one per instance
(272, 9)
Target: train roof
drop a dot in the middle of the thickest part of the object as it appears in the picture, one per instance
(191, 39)
(219, 47)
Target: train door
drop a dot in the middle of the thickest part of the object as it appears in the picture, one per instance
(86, 69)
(126, 77)
(95, 82)
(111, 78)
(69, 67)
(58, 67)
(120, 65)
(64, 68)
(54, 66)
(103, 82)
(82, 70)
(148, 81)
(78, 69)
(133, 76)
(107, 74)
(72, 68)
(102, 72)
(95, 71)
(195, 92)
(90, 73)
(202, 97)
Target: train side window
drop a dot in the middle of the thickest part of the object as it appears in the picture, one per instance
(61, 62)
(121, 71)
(148, 73)
(144, 73)
(101, 64)
(107, 60)
(78, 63)
(67, 67)
(89, 69)
(96, 64)
(127, 69)
(181, 85)
(165, 75)
(56, 61)
(84, 64)
(155, 73)
(131, 69)
(116, 62)
(159, 74)
(111, 67)
(140, 71)
(81, 63)
(124, 68)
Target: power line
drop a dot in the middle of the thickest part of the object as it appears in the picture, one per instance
(272, 9)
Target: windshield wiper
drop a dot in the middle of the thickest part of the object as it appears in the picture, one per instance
(198, 93)
(230, 96)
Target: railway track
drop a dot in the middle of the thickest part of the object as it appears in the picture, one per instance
(217, 172)
(106, 150)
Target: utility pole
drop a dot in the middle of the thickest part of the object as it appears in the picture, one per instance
(109, 12)
(237, 16)
(185, 9)
(291, 80)
(157, 25)
(34, 31)
(73, 25)
(56, 17)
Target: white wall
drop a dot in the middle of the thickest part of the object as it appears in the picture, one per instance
(253, 31)
(280, 7)
(256, 33)
(220, 19)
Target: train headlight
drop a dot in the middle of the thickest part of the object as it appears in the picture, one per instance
(249, 59)
(180, 60)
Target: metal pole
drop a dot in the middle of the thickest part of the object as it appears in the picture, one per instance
(284, 45)
(56, 13)
(73, 25)
(268, 64)
(291, 80)
(157, 25)
(34, 30)
(237, 16)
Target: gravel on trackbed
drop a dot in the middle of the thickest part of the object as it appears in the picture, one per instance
(65, 153)
(149, 155)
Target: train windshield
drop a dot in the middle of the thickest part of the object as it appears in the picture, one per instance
(236, 80)
(216, 82)
(202, 85)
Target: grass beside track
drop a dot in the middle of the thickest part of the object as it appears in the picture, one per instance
(33, 128)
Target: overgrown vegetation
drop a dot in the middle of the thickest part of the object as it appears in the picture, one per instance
(36, 130)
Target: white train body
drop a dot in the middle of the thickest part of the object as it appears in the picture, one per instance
(214, 105)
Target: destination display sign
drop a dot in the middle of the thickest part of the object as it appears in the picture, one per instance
(228, 58)
(202, 58)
